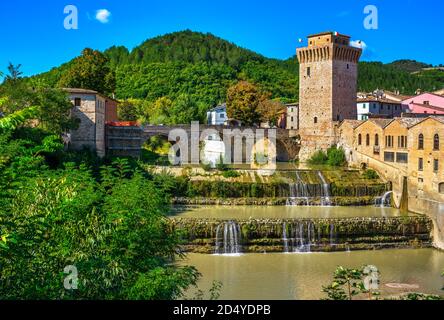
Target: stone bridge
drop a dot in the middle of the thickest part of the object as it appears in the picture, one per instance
(128, 141)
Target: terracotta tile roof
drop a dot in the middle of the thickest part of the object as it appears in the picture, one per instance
(380, 100)
(409, 122)
(354, 123)
(79, 90)
(381, 122)
(428, 106)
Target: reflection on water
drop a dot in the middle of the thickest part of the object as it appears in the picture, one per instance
(257, 212)
(301, 276)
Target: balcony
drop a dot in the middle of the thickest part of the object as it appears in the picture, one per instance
(376, 150)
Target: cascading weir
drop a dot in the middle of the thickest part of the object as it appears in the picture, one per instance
(228, 237)
(302, 193)
(303, 235)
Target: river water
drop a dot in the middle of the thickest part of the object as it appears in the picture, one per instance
(277, 212)
(301, 276)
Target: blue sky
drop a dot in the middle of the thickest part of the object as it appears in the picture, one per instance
(33, 33)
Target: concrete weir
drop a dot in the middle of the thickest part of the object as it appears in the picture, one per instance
(306, 235)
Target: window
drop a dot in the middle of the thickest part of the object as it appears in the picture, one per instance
(292, 119)
(402, 157)
(338, 118)
(348, 66)
(420, 164)
(441, 188)
(364, 106)
(389, 142)
(435, 165)
(427, 103)
(389, 156)
(376, 140)
(359, 139)
(315, 120)
(222, 116)
(436, 142)
(374, 105)
(308, 71)
(77, 102)
(367, 140)
(421, 142)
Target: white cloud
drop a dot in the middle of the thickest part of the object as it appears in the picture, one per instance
(103, 15)
(358, 44)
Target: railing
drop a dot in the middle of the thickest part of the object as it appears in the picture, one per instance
(376, 150)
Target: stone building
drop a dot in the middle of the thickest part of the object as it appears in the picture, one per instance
(292, 116)
(407, 151)
(93, 110)
(328, 86)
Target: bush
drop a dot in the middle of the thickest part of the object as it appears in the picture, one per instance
(318, 158)
(206, 167)
(220, 165)
(370, 174)
(230, 174)
(336, 157)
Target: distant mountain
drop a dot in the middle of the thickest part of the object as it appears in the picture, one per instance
(409, 65)
(203, 66)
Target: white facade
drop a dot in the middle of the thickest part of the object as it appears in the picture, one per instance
(368, 108)
(217, 116)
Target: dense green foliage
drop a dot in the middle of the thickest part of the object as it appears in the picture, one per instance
(334, 157)
(370, 174)
(61, 212)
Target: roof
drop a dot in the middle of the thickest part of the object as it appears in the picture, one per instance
(382, 123)
(295, 104)
(327, 33)
(428, 106)
(400, 97)
(86, 91)
(407, 122)
(436, 118)
(380, 100)
(353, 123)
(424, 93)
(220, 107)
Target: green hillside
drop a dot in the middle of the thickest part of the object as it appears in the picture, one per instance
(203, 66)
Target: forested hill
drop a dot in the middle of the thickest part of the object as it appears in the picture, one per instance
(203, 66)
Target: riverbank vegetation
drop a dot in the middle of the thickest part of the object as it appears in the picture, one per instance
(73, 226)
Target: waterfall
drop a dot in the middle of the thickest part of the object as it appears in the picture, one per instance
(298, 191)
(228, 236)
(325, 196)
(285, 238)
(384, 201)
(332, 235)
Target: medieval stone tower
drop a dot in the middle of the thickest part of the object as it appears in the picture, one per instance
(327, 89)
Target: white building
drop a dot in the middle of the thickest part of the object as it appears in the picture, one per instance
(373, 107)
(218, 115)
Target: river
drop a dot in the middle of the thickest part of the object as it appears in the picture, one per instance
(301, 276)
(277, 212)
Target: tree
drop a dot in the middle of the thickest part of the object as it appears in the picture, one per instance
(271, 111)
(14, 73)
(90, 71)
(243, 101)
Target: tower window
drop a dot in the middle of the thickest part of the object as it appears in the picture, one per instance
(315, 120)
(308, 71)
(376, 140)
(359, 139)
(367, 140)
(348, 66)
(435, 165)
